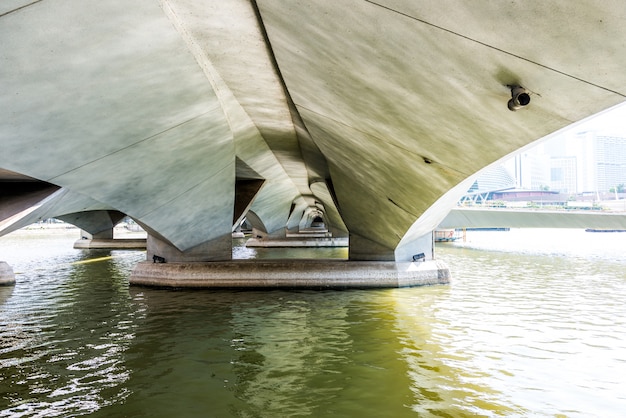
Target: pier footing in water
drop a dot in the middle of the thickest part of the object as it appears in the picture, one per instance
(111, 244)
(301, 241)
(7, 277)
(291, 274)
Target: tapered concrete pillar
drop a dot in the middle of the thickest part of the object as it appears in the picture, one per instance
(238, 233)
(7, 277)
(364, 249)
(106, 234)
(220, 249)
(418, 248)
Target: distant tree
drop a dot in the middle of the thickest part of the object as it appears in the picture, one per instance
(544, 188)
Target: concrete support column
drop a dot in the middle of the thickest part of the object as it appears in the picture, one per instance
(363, 249)
(169, 267)
(286, 239)
(106, 234)
(238, 233)
(209, 266)
(7, 277)
(220, 249)
(422, 248)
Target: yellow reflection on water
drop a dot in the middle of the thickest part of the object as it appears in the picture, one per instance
(93, 260)
(444, 382)
(320, 354)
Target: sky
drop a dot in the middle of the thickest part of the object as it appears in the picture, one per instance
(613, 119)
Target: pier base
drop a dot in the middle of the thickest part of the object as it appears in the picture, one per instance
(111, 244)
(7, 277)
(291, 274)
(295, 242)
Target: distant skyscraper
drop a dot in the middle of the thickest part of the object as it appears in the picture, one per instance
(563, 174)
(604, 160)
(572, 162)
(532, 170)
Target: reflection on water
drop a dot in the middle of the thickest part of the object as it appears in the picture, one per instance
(63, 330)
(532, 332)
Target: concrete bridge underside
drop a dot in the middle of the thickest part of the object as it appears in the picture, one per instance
(189, 115)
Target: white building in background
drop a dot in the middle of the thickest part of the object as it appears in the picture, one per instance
(493, 178)
(574, 162)
(590, 157)
(611, 161)
(532, 169)
(568, 164)
(603, 157)
(563, 177)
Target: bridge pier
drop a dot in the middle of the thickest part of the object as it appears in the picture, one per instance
(307, 237)
(7, 277)
(161, 252)
(291, 274)
(201, 267)
(104, 241)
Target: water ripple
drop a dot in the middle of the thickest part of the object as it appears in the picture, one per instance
(538, 332)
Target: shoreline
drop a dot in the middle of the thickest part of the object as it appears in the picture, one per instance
(57, 229)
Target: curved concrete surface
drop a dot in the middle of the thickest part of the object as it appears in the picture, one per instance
(375, 113)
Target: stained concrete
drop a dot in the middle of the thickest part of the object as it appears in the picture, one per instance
(314, 274)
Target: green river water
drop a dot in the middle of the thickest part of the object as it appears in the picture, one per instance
(532, 325)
